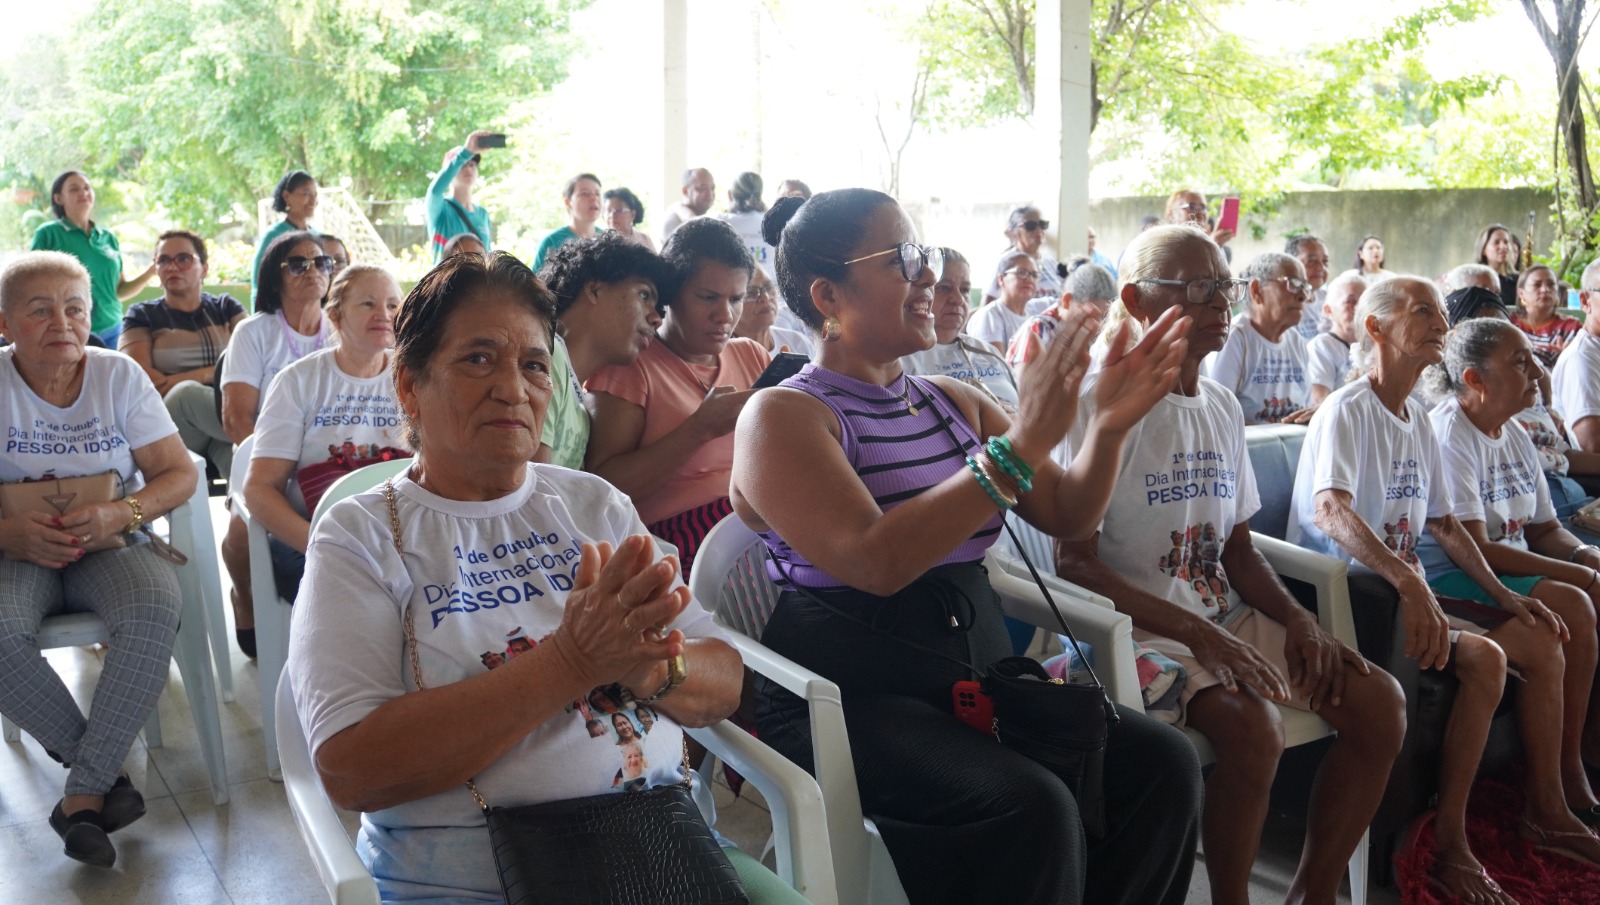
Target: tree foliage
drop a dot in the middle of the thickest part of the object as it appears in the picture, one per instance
(208, 103)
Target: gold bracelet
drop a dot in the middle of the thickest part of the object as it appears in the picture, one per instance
(677, 671)
(998, 479)
(138, 515)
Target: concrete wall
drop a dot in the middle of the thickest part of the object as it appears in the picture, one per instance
(1424, 231)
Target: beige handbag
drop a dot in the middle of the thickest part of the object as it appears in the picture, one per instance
(55, 497)
(1587, 518)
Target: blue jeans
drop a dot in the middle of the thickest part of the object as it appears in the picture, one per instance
(110, 334)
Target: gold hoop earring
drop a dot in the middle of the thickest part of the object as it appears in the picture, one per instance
(831, 329)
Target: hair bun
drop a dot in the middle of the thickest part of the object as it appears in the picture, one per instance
(782, 211)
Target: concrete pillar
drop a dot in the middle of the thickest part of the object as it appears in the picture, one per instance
(1061, 114)
(674, 100)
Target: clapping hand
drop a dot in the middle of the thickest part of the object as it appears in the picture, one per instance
(1133, 380)
(616, 615)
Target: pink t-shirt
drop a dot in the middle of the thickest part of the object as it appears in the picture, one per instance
(669, 390)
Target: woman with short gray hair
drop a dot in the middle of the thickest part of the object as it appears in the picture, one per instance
(1086, 283)
(1264, 361)
(83, 412)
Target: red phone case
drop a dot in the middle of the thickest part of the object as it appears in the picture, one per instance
(1230, 215)
(972, 706)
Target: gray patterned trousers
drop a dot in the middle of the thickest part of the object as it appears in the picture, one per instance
(136, 593)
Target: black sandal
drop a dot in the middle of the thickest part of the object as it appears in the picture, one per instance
(84, 836)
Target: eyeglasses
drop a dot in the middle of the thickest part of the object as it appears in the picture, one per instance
(1193, 207)
(1020, 273)
(762, 289)
(1032, 225)
(1199, 292)
(182, 260)
(1295, 285)
(298, 265)
(914, 259)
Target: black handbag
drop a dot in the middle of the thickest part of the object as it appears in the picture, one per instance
(651, 847)
(1062, 726)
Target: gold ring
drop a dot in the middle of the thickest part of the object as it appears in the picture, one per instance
(85, 538)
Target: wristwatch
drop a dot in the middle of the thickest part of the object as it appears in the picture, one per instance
(138, 515)
(1578, 551)
(677, 671)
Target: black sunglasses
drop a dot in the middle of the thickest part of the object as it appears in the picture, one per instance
(298, 265)
(1031, 225)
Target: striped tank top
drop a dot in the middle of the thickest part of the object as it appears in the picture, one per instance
(896, 454)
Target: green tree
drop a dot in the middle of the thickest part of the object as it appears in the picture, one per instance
(209, 104)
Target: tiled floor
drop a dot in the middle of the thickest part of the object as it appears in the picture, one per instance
(248, 852)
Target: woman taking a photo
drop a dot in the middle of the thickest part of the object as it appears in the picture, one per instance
(899, 545)
(95, 247)
(662, 429)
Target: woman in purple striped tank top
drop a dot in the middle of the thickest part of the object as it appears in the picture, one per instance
(878, 493)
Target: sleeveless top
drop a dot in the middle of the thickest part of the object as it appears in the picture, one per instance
(897, 455)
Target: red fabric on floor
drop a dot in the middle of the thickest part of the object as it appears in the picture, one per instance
(1530, 876)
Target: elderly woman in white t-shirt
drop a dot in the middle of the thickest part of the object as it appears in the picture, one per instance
(73, 411)
(758, 319)
(531, 594)
(956, 353)
(1488, 377)
(336, 405)
(1264, 360)
(1370, 479)
(998, 321)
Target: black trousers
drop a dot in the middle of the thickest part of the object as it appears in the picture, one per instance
(966, 820)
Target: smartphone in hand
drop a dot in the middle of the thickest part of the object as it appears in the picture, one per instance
(496, 140)
(1230, 215)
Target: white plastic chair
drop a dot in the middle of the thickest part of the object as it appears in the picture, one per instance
(1329, 577)
(202, 551)
(189, 529)
(730, 579)
(804, 860)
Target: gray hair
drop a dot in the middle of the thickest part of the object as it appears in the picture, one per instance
(54, 264)
(1145, 258)
(1019, 214)
(1089, 282)
(1467, 275)
(1591, 276)
(1267, 265)
(1343, 281)
(1469, 345)
(1298, 243)
(1381, 300)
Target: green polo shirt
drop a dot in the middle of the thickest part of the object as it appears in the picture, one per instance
(101, 256)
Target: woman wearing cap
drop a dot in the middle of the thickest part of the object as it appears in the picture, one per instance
(72, 201)
(451, 210)
(296, 199)
(912, 508)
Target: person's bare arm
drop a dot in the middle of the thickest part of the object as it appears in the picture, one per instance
(1317, 661)
(1586, 433)
(1427, 630)
(127, 289)
(1459, 546)
(169, 479)
(1228, 658)
(615, 452)
(264, 488)
(544, 454)
(139, 351)
(240, 402)
(1549, 545)
(425, 742)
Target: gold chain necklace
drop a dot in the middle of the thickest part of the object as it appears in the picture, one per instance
(905, 382)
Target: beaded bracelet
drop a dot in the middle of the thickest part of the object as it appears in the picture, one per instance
(988, 486)
(999, 450)
(1008, 486)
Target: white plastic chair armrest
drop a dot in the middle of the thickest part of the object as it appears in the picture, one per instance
(344, 876)
(1108, 631)
(799, 821)
(1329, 576)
